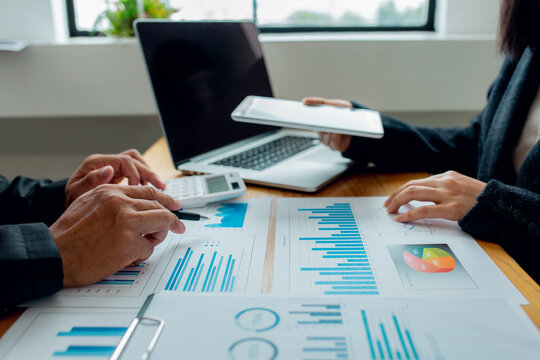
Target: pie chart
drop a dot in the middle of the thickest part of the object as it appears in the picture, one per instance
(429, 259)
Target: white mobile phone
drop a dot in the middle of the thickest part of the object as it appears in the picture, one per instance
(294, 114)
(199, 190)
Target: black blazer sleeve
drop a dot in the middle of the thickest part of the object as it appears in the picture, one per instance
(509, 216)
(416, 148)
(28, 252)
(31, 262)
(26, 200)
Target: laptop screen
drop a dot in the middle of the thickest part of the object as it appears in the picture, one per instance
(200, 72)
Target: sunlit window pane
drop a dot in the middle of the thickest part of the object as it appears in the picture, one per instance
(341, 13)
(212, 9)
(87, 12)
(278, 13)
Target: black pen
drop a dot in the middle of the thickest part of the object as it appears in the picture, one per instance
(182, 215)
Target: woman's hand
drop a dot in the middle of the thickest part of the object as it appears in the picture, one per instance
(454, 195)
(101, 169)
(337, 142)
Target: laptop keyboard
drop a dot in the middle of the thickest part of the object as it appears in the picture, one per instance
(271, 153)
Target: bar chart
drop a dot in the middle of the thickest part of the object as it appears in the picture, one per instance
(69, 333)
(330, 254)
(318, 314)
(130, 281)
(210, 264)
(86, 351)
(86, 333)
(127, 276)
(387, 337)
(325, 348)
(232, 263)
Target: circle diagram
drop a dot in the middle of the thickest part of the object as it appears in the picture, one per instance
(429, 259)
(253, 349)
(257, 319)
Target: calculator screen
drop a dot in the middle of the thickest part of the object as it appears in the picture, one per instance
(217, 184)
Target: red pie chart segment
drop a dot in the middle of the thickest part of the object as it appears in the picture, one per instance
(429, 260)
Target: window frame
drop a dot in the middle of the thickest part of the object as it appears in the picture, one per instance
(428, 26)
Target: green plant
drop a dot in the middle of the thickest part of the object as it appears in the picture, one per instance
(123, 13)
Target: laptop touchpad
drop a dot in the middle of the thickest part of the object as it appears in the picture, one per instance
(323, 154)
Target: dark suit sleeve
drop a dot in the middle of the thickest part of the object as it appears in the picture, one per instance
(26, 200)
(417, 148)
(32, 266)
(510, 216)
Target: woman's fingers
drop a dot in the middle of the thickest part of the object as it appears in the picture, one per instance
(454, 194)
(415, 192)
(427, 182)
(423, 212)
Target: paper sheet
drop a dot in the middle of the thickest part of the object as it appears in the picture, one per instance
(351, 246)
(65, 333)
(13, 45)
(223, 254)
(264, 327)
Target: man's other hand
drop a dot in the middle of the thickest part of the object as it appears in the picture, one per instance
(101, 169)
(111, 227)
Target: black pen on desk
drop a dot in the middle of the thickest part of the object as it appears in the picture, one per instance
(183, 215)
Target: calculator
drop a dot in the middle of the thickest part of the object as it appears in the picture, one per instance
(199, 190)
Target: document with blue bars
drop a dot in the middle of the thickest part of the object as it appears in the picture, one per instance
(352, 246)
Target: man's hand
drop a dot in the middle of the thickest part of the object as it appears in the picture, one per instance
(100, 169)
(111, 227)
(337, 142)
(454, 195)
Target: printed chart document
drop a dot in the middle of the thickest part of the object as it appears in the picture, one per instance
(265, 327)
(351, 246)
(223, 254)
(65, 333)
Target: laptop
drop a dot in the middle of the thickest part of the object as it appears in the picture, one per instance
(200, 72)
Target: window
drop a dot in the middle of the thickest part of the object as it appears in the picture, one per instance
(280, 15)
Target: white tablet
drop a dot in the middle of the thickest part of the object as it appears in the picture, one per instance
(294, 114)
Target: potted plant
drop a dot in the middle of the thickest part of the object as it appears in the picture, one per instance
(122, 13)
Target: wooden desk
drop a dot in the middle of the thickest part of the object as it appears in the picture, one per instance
(349, 185)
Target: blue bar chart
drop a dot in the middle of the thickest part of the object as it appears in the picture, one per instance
(387, 337)
(210, 264)
(127, 276)
(130, 281)
(337, 262)
(86, 351)
(325, 347)
(68, 333)
(318, 314)
(87, 333)
(93, 331)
